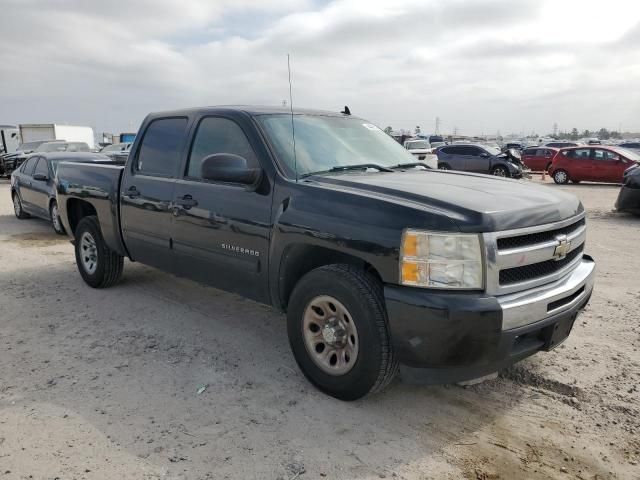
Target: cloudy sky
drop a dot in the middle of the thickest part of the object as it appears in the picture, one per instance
(479, 65)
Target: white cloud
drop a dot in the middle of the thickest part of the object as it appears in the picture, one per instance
(480, 65)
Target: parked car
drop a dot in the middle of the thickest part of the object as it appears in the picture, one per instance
(629, 196)
(558, 144)
(592, 164)
(422, 150)
(452, 275)
(32, 185)
(480, 159)
(115, 148)
(12, 161)
(538, 159)
(513, 146)
(635, 146)
(62, 146)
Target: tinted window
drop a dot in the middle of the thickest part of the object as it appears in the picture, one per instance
(447, 150)
(219, 135)
(78, 147)
(29, 165)
(530, 151)
(582, 153)
(160, 150)
(42, 167)
(630, 145)
(605, 155)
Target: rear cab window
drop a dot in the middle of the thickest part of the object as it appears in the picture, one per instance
(159, 153)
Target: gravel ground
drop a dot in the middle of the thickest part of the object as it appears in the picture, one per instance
(102, 384)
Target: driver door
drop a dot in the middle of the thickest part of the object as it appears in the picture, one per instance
(476, 160)
(221, 230)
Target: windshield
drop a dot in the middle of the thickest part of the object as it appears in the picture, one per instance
(29, 146)
(492, 150)
(52, 147)
(629, 154)
(324, 142)
(417, 144)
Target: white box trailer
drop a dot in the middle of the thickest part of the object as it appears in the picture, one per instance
(8, 139)
(52, 131)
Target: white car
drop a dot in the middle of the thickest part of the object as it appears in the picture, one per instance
(421, 149)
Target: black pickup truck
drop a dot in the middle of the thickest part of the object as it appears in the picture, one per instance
(379, 262)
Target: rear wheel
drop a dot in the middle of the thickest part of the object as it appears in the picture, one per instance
(444, 166)
(55, 218)
(99, 266)
(499, 171)
(561, 177)
(17, 207)
(337, 327)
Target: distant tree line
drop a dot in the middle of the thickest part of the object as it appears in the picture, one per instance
(574, 134)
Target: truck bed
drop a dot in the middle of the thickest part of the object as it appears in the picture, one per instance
(94, 185)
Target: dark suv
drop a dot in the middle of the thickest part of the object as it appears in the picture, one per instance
(480, 159)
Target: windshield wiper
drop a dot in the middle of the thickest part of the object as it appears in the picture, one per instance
(410, 165)
(344, 168)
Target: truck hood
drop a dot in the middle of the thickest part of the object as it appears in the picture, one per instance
(475, 203)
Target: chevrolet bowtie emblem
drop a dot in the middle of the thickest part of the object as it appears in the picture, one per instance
(562, 248)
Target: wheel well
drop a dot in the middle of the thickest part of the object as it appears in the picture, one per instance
(299, 260)
(77, 210)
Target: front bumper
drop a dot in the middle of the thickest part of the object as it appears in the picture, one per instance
(443, 337)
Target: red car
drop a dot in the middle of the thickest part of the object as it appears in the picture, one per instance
(592, 164)
(538, 159)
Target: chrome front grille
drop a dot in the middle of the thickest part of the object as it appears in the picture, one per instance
(526, 258)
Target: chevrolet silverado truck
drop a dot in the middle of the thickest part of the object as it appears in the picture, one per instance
(379, 263)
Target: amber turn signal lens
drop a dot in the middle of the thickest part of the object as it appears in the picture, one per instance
(410, 272)
(410, 245)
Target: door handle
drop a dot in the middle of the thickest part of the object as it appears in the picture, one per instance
(187, 202)
(132, 192)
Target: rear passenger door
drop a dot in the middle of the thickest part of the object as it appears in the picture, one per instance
(581, 164)
(147, 191)
(25, 183)
(221, 229)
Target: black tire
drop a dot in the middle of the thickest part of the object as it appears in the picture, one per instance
(500, 171)
(108, 264)
(17, 207)
(375, 365)
(561, 177)
(444, 166)
(55, 219)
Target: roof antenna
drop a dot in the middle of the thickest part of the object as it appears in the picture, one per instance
(293, 128)
(346, 111)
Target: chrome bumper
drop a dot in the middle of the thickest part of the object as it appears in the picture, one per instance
(536, 304)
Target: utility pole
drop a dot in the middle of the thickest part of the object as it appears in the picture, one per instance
(555, 129)
(437, 130)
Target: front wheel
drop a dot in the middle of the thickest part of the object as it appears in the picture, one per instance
(99, 266)
(55, 219)
(560, 177)
(444, 166)
(337, 327)
(500, 171)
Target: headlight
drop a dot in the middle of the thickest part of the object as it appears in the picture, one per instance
(437, 260)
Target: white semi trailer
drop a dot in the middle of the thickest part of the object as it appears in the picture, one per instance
(52, 131)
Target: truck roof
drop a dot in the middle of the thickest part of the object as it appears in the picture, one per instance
(249, 109)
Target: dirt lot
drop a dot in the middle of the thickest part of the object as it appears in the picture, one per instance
(103, 383)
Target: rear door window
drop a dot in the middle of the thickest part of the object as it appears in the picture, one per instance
(29, 165)
(530, 151)
(581, 153)
(161, 146)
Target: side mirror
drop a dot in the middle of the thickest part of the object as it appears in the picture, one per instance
(41, 177)
(227, 167)
(484, 155)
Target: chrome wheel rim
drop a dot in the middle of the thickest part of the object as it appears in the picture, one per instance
(88, 253)
(561, 177)
(55, 219)
(16, 205)
(498, 172)
(330, 335)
